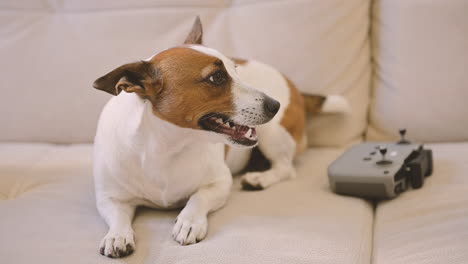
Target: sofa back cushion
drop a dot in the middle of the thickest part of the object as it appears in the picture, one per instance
(52, 51)
(420, 51)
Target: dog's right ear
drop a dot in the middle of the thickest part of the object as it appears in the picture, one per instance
(132, 77)
(196, 34)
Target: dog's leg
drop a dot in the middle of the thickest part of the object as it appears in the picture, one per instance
(279, 148)
(119, 241)
(191, 224)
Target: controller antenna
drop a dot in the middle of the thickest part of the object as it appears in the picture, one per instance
(402, 137)
(383, 161)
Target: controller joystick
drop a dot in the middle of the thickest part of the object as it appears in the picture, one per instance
(383, 161)
(402, 137)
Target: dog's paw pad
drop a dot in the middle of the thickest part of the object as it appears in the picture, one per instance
(248, 186)
(189, 229)
(117, 245)
(254, 181)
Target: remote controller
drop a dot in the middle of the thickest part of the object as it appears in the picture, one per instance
(380, 170)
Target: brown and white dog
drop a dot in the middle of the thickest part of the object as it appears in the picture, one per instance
(161, 143)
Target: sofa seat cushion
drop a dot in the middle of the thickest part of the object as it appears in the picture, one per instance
(429, 225)
(48, 215)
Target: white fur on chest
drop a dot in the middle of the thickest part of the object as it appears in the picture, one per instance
(141, 158)
(170, 180)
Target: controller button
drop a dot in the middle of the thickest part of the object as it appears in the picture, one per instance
(386, 172)
(373, 153)
(366, 158)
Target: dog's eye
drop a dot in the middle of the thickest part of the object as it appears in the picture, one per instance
(217, 78)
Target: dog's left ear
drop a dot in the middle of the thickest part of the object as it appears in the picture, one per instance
(137, 77)
(196, 34)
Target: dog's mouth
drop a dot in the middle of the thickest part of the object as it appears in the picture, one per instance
(240, 134)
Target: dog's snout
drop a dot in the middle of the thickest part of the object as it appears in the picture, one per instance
(271, 106)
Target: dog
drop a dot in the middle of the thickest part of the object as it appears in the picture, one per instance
(186, 121)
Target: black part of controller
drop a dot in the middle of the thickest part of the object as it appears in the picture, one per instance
(416, 166)
(416, 177)
(430, 164)
(401, 174)
(400, 187)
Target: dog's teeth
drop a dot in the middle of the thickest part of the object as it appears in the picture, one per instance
(226, 125)
(248, 133)
(219, 120)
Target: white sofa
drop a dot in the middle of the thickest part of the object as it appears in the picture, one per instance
(400, 64)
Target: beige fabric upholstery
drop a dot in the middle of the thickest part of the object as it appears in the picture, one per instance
(47, 215)
(52, 51)
(421, 57)
(429, 225)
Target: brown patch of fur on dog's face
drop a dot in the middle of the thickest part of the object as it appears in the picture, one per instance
(177, 82)
(293, 119)
(187, 94)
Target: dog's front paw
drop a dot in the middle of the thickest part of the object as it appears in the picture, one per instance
(189, 228)
(115, 245)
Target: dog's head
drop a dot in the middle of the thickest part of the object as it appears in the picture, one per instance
(196, 87)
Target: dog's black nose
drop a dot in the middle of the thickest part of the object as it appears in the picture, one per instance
(271, 106)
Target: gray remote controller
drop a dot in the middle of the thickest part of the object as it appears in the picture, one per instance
(380, 170)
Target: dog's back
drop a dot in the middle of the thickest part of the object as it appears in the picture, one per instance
(291, 115)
